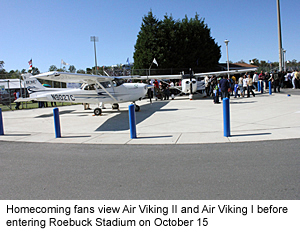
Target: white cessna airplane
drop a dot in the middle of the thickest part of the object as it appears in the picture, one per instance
(95, 89)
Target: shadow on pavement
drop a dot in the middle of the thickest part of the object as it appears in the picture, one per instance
(121, 121)
(51, 114)
(245, 135)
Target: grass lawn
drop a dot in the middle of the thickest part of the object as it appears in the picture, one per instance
(28, 105)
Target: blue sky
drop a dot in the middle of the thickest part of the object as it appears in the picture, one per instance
(48, 31)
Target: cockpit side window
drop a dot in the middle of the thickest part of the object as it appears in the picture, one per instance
(118, 81)
(96, 86)
(105, 84)
(89, 87)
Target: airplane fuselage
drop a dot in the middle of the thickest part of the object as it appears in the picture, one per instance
(122, 93)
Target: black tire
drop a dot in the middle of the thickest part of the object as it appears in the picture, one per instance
(98, 111)
(137, 108)
(115, 106)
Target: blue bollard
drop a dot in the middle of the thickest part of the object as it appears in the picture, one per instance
(56, 123)
(1, 123)
(226, 117)
(258, 86)
(270, 88)
(132, 123)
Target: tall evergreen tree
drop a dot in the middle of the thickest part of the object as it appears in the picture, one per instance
(146, 47)
(167, 42)
(176, 44)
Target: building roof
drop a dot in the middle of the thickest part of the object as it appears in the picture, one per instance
(236, 66)
(11, 83)
(244, 65)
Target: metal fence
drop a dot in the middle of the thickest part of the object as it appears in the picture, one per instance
(8, 86)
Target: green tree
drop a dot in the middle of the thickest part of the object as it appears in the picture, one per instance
(72, 69)
(80, 71)
(1, 64)
(176, 44)
(63, 69)
(198, 48)
(254, 62)
(53, 68)
(14, 74)
(89, 71)
(2, 70)
(146, 47)
(34, 71)
(167, 42)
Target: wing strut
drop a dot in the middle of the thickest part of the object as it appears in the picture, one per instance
(106, 91)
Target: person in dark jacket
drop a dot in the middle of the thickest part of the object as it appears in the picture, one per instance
(224, 85)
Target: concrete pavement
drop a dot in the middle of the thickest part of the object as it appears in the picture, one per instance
(179, 121)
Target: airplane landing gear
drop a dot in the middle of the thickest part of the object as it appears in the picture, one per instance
(137, 108)
(115, 106)
(98, 111)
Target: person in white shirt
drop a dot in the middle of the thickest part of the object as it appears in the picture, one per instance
(245, 81)
(293, 76)
(207, 86)
(255, 80)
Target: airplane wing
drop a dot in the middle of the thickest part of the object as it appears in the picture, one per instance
(175, 76)
(218, 73)
(76, 78)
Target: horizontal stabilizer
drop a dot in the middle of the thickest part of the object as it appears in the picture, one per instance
(25, 99)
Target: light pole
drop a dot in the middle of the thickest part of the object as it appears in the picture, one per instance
(95, 39)
(284, 60)
(226, 42)
(279, 35)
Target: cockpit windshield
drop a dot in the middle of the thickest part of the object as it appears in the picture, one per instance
(118, 81)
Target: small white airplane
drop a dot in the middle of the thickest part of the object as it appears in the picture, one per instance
(95, 89)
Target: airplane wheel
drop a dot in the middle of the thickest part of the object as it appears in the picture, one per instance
(137, 108)
(97, 111)
(115, 106)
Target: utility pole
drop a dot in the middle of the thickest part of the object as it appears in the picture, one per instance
(279, 36)
(95, 39)
(226, 42)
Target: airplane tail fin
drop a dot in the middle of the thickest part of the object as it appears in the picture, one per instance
(32, 84)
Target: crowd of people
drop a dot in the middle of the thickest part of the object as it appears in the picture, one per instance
(225, 87)
(282, 79)
(239, 85)
(162, 90)
(243, 85)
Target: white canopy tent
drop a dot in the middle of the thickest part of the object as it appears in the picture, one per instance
(9, 84)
